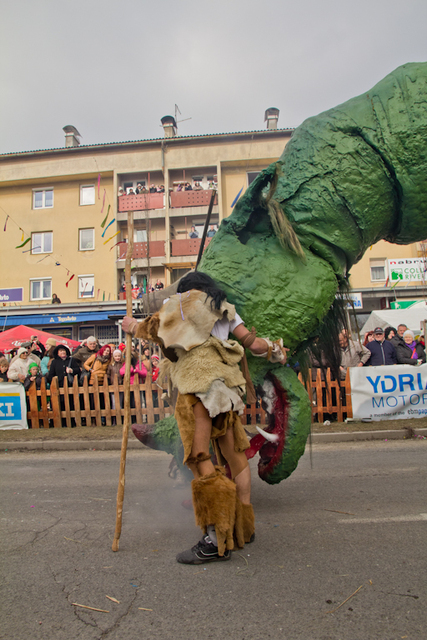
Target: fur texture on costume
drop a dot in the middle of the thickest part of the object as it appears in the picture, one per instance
(214, 359)
(187, 319)
(214, 501)
(245, 523)
(148, 328)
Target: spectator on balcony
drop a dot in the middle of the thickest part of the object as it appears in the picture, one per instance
(161, 188)
(188, 187)
(153, 188)
(194, 233)
(213, 185)
(138, 188)
(197, 187)
(121, 192)
(55, 299)
(159, 285)
(131, 192)
(122, 288)
(179, 187)
(211, 232)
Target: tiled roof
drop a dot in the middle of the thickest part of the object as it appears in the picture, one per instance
(148, 140)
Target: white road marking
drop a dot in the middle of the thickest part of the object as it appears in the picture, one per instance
(418, 518)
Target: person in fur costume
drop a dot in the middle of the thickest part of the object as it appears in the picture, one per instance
(193, 328)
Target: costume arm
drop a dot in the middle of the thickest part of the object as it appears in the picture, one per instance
(261, 347)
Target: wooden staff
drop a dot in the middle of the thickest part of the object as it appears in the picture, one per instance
(127, 417)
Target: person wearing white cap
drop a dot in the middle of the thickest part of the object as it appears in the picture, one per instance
(410, 351)
(19, 368)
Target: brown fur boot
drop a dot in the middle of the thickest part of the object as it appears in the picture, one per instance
(214, 500)
(244, 528)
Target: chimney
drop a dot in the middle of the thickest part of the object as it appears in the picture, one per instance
(271, 116)
(169, 126)
(71, 136)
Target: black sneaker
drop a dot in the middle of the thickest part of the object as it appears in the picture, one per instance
(203, 551)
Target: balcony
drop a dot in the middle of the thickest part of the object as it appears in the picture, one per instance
(179, 199)
(157, 250)
(187, 247)
(142, 202)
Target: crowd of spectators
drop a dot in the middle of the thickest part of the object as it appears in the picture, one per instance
(381, 347)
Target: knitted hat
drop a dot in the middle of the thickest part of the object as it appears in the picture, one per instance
(117, 351)
(21, 350)
(410, 333)
(155, 356)
(32, 365)
(51, 342)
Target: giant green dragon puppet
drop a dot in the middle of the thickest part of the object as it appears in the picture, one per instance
(348, 178)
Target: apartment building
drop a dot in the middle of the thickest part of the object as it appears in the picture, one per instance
(65, 219)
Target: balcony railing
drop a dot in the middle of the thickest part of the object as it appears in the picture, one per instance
(142, 202)
(157, 250)
(187, 247)
(191, 198)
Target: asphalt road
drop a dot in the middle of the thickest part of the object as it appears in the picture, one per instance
(355, 521)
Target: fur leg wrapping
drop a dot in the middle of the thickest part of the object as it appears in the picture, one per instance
(245, 523)
(214, 501)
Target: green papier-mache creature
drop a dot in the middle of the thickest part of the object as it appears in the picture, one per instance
(348, 177)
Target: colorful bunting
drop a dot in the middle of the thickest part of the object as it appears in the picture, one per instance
(68, 281)
(236, 198)
(113, 236)
(105, 219)
(23, 243)
(108, 225)
(117, 243)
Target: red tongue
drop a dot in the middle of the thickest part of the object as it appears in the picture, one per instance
(256, 443)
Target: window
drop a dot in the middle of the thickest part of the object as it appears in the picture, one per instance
(140, 235)
(87, 194)
(86, 286)
(42, 242)
(252, 175)
(377, 270)
(86, 239)
(42, 198)
(41, 289)
(108, 332)
(86, 330)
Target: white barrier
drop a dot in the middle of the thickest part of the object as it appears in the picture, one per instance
(389, 393)
(13, 407)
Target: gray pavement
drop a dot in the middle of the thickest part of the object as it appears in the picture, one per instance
(357, 518)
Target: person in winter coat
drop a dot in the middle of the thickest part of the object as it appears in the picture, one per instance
(139, 372)
(411, 351)
(19, 368)
(382, 351)
(33, 375)
(98, 364)
(87, 350)
(4, 366)
(62, 364)
(115, 366)
(46, 361)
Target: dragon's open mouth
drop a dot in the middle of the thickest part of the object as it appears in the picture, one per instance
(275, 403)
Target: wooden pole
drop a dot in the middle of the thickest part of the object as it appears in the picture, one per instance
(127, 417)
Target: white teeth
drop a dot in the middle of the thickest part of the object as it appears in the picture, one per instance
(271, 437)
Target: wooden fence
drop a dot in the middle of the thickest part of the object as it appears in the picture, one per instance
(99, 405)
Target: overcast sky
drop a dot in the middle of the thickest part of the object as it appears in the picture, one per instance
(113, 69)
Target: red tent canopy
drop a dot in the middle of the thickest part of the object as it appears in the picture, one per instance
(15, 337)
